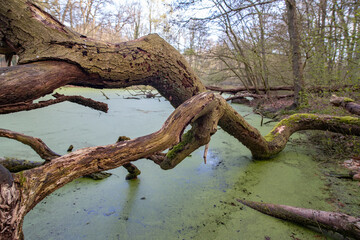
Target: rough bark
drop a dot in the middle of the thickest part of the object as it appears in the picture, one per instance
(148, 60)
(346, 103)
(23, 83)
(338, 222)
(10, 222)
(293, 29)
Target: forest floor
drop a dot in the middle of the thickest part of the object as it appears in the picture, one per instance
(332, 151)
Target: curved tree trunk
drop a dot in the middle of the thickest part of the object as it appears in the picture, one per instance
(51, 55)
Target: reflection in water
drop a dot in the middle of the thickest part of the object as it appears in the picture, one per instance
(131, 195)
(192, 201)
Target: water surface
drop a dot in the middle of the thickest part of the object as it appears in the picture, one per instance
(192, 201)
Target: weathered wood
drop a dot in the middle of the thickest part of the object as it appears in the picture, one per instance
(24, 83)
(347, 103)
(133, 171)
(338, 222)
(147, 61)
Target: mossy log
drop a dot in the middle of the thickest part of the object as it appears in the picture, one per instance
(18, 165)
(338, 222)
(51, 55)
(347, 103)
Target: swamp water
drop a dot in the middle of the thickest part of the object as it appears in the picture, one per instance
(192, 201)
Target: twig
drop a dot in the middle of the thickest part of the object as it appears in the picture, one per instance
(205, 152)
(105, 95)
(87, 102)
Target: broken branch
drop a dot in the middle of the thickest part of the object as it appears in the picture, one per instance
(35, 143)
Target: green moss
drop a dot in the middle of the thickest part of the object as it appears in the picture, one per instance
(346, 99)
(186, 138)
(288, 122)
(22, 178)
(348, 120)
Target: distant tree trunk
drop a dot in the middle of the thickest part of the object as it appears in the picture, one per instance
(295, 41)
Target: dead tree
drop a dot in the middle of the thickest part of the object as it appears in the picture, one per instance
(51, 55)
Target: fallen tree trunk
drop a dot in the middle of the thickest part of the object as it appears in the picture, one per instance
(338, 222)
(314, 89)
(241, 96)
(346, 103)
(243, 89)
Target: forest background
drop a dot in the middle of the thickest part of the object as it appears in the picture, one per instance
(233, 42)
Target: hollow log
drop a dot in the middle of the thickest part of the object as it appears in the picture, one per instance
(338, 222)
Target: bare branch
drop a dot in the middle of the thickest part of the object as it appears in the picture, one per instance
(18, 107)
(35, 143)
